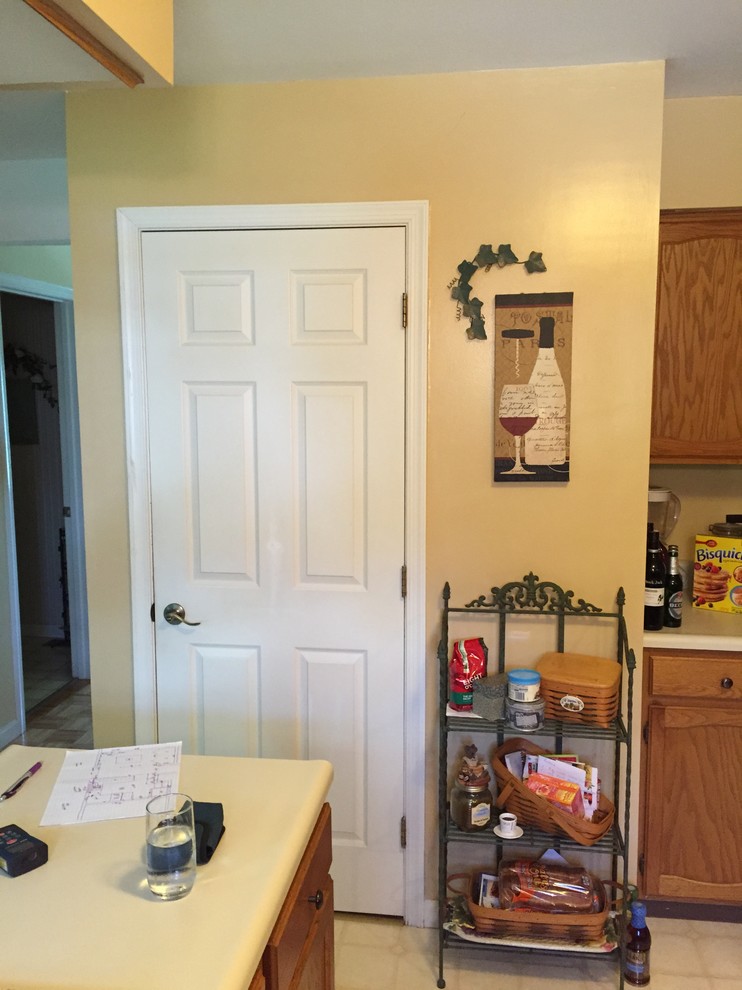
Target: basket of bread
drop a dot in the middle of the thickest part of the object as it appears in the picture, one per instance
(535, 899)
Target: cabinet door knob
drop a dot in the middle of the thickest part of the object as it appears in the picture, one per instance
(727, 682)
(317, 899)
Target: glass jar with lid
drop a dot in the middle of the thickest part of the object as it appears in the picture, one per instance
(471, 799)
(471, 807)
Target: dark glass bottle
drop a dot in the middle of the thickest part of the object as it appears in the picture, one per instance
(638, 943)
(673, 590)
(654, 584)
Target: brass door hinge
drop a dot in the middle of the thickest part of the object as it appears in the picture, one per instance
(404, 580)
(403, 832)
(404, 310)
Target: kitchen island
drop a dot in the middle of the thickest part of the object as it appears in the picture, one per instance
(87, 921)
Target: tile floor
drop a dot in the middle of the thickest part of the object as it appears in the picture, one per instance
(382, 954)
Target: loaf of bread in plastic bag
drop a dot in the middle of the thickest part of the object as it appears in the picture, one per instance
(528, 885)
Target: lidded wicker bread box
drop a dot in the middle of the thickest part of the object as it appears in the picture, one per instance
(576, 687)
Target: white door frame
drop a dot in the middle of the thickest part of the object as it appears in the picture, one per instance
(413, 216)
(64, 333)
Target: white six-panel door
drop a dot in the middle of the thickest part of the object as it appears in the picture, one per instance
(275, 366)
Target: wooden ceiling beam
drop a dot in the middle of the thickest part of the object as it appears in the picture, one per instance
(67, 24)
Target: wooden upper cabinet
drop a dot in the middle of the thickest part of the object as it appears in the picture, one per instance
(697, 393)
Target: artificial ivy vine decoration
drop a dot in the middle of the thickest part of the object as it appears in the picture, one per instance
(22, 363)
(485, 258)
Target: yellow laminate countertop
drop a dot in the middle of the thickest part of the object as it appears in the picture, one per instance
(86, 919)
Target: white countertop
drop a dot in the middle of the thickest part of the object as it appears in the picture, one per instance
(701, 629)
(86, 919)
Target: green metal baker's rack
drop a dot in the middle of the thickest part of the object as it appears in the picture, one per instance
(542, 600)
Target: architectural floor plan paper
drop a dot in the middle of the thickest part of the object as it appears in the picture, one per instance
(101, 784)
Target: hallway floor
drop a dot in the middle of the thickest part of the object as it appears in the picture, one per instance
(47, 667)
(64, 719)
(382, 954)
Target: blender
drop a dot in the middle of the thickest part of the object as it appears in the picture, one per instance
(663, 512)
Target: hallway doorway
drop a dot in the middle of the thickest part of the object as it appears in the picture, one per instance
(44, 646)
(30, 356)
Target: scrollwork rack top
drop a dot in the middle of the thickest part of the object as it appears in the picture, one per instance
(533, 595)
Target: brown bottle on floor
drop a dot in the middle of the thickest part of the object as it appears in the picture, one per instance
(638, 943)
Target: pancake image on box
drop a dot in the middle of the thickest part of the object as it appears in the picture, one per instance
(580, 688)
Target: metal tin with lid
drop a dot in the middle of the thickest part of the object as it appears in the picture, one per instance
(525, 716)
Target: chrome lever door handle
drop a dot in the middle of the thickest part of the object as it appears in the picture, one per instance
(175, 615)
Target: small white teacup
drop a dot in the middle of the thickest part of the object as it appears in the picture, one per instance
(508, 823)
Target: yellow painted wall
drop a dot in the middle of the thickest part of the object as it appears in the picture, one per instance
(565, 161)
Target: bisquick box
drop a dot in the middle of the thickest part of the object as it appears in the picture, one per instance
(717, 574)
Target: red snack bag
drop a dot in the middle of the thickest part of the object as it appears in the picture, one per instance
(468, 662)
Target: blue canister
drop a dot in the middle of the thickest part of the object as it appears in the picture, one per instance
(524, 685)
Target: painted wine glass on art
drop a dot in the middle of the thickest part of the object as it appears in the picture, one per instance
(518, 413)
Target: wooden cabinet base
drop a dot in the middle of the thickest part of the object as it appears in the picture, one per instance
(300, 954)
(258, 981)
(691, 788)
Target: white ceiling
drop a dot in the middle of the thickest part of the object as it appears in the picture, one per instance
(231, 41)
(239, 41)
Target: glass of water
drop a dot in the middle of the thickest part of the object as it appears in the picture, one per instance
(171, 846)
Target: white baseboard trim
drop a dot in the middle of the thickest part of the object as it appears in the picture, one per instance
(430, 914)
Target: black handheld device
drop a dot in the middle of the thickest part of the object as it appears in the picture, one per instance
(20, 852)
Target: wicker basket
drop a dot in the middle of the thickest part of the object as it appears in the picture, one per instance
(502, 923)
(514, 796)
(580, 688)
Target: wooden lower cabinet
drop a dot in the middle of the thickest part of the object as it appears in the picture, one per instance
(300, 953)
(316, 967)
(258, 981)
(690, 848)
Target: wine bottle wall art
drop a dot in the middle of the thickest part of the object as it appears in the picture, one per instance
(533, 379)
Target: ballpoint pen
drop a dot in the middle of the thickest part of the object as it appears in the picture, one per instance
(20, 782)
